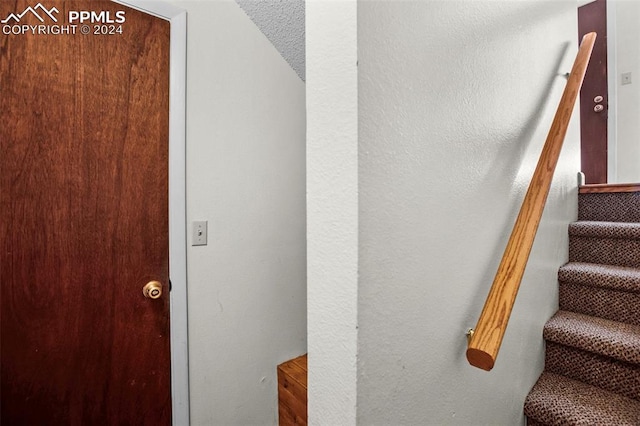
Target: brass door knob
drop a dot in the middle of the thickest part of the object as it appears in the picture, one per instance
(152, 290)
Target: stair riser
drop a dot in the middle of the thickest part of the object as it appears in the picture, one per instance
(600, 302)
(605, 276)
(610, 207)
(607, 251)
(606, 373)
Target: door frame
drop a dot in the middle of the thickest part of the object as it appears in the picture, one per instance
(177, 201)
(612, 75)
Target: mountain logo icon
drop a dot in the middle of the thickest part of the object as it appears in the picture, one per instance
(39, 11)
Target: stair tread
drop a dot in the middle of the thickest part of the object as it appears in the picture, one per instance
(594, 369)
(558, 400)
(598, 275)
(617, 340)
(599, 229)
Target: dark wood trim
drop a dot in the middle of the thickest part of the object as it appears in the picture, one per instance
(600, 188)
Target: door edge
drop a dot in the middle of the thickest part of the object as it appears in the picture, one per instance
(177, 202)
(612, 76)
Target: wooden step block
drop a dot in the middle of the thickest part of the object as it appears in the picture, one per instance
(292, 392)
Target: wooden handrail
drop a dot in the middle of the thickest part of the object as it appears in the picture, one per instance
(485, 340)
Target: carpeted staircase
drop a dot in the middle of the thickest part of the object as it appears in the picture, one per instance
(592, 360)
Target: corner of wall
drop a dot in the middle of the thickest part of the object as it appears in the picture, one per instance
(332, 211)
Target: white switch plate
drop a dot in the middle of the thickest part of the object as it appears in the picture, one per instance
(626, 78)
(199, 237)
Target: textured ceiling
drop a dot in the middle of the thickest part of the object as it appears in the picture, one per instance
(282, 21)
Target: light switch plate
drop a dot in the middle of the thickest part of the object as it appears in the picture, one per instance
(199, 237)
(626, 78)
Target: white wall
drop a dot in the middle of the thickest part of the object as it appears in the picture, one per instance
(455, 101)
(625, 33)
(332, 203)
(246, 176)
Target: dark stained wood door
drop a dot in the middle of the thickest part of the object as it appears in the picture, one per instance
(593, 110)
(84, 219)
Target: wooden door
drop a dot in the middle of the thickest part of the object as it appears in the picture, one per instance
(84, 216)
(593, 110)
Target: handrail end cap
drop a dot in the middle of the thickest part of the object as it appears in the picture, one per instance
(480, 359)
